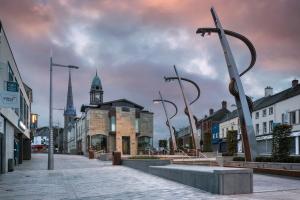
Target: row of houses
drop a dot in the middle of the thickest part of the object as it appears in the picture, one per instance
(15, 110)
(272, 109)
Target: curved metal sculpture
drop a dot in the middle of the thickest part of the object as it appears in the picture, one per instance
(192, 119)
(167, 79)
(168, 122)
(243, 102)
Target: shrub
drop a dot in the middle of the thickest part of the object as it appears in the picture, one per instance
(207, 146)
(289, 159)
(263, 159)
(281, 142)
(143, 157)
(238, 159)
(227, 154)
(232, 142)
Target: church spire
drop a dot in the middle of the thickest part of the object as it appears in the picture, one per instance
(70, 110)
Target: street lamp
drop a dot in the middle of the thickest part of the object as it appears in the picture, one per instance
(168, 123)
(50, 148)
(187, 110)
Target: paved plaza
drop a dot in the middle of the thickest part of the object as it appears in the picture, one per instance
(76, 177)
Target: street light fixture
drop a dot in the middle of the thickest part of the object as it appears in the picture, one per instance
(50, 148)
(187, 110)
(168, 122)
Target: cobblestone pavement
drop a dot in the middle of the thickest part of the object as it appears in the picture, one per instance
(76, 177)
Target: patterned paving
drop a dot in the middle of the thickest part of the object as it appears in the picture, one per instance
(76, 177)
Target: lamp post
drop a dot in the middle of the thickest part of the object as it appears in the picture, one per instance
(171, 128)
(50, 147)
(188, 111)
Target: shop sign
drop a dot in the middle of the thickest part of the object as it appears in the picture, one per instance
(12, 86)
(9, 99)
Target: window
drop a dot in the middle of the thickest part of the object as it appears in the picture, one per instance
(257, 129)
(222, 133)
(271, 126)
(113, 123)
(10, 73)
(265, 127)
(282, 118)
(137, 125)
(256, 115)
(271, 111)
(125, 109)
(264, 112)
(293, 117)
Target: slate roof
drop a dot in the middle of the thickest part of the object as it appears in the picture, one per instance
(118, 102)
(281, 96)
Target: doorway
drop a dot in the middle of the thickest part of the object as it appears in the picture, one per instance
(126, 145)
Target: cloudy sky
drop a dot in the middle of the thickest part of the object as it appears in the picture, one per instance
(133, 44)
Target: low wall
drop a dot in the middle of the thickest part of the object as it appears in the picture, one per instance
(143, 164)
(217, 180)
(264, 165)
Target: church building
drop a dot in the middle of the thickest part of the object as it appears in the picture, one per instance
(118, 125)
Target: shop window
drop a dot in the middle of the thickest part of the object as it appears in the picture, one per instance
(99, 142)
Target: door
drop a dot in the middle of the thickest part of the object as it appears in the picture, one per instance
(126, 145)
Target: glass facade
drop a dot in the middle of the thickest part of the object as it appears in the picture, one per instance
(144, 143)
(99, 142)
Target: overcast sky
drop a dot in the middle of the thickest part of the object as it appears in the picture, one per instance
(133, 44)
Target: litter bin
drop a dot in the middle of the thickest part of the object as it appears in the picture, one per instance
(116, 158)
(10, 166)
(91, 154)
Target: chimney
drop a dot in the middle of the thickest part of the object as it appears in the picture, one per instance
(295, 82)
(211, 111)
(268, 91)
(224, 104)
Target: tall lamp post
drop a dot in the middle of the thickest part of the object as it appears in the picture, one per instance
(50, 148)
(188, 111)
(168, 123)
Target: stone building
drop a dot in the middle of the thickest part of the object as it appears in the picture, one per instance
(119, 125)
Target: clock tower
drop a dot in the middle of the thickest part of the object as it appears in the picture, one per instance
(96, 92)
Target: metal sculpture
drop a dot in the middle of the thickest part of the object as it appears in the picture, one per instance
(192, 119)
(243, 102)
(168, 122)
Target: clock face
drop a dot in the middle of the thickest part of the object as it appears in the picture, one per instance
(97, 96)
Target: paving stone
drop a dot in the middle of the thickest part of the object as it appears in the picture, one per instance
(76, 177)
